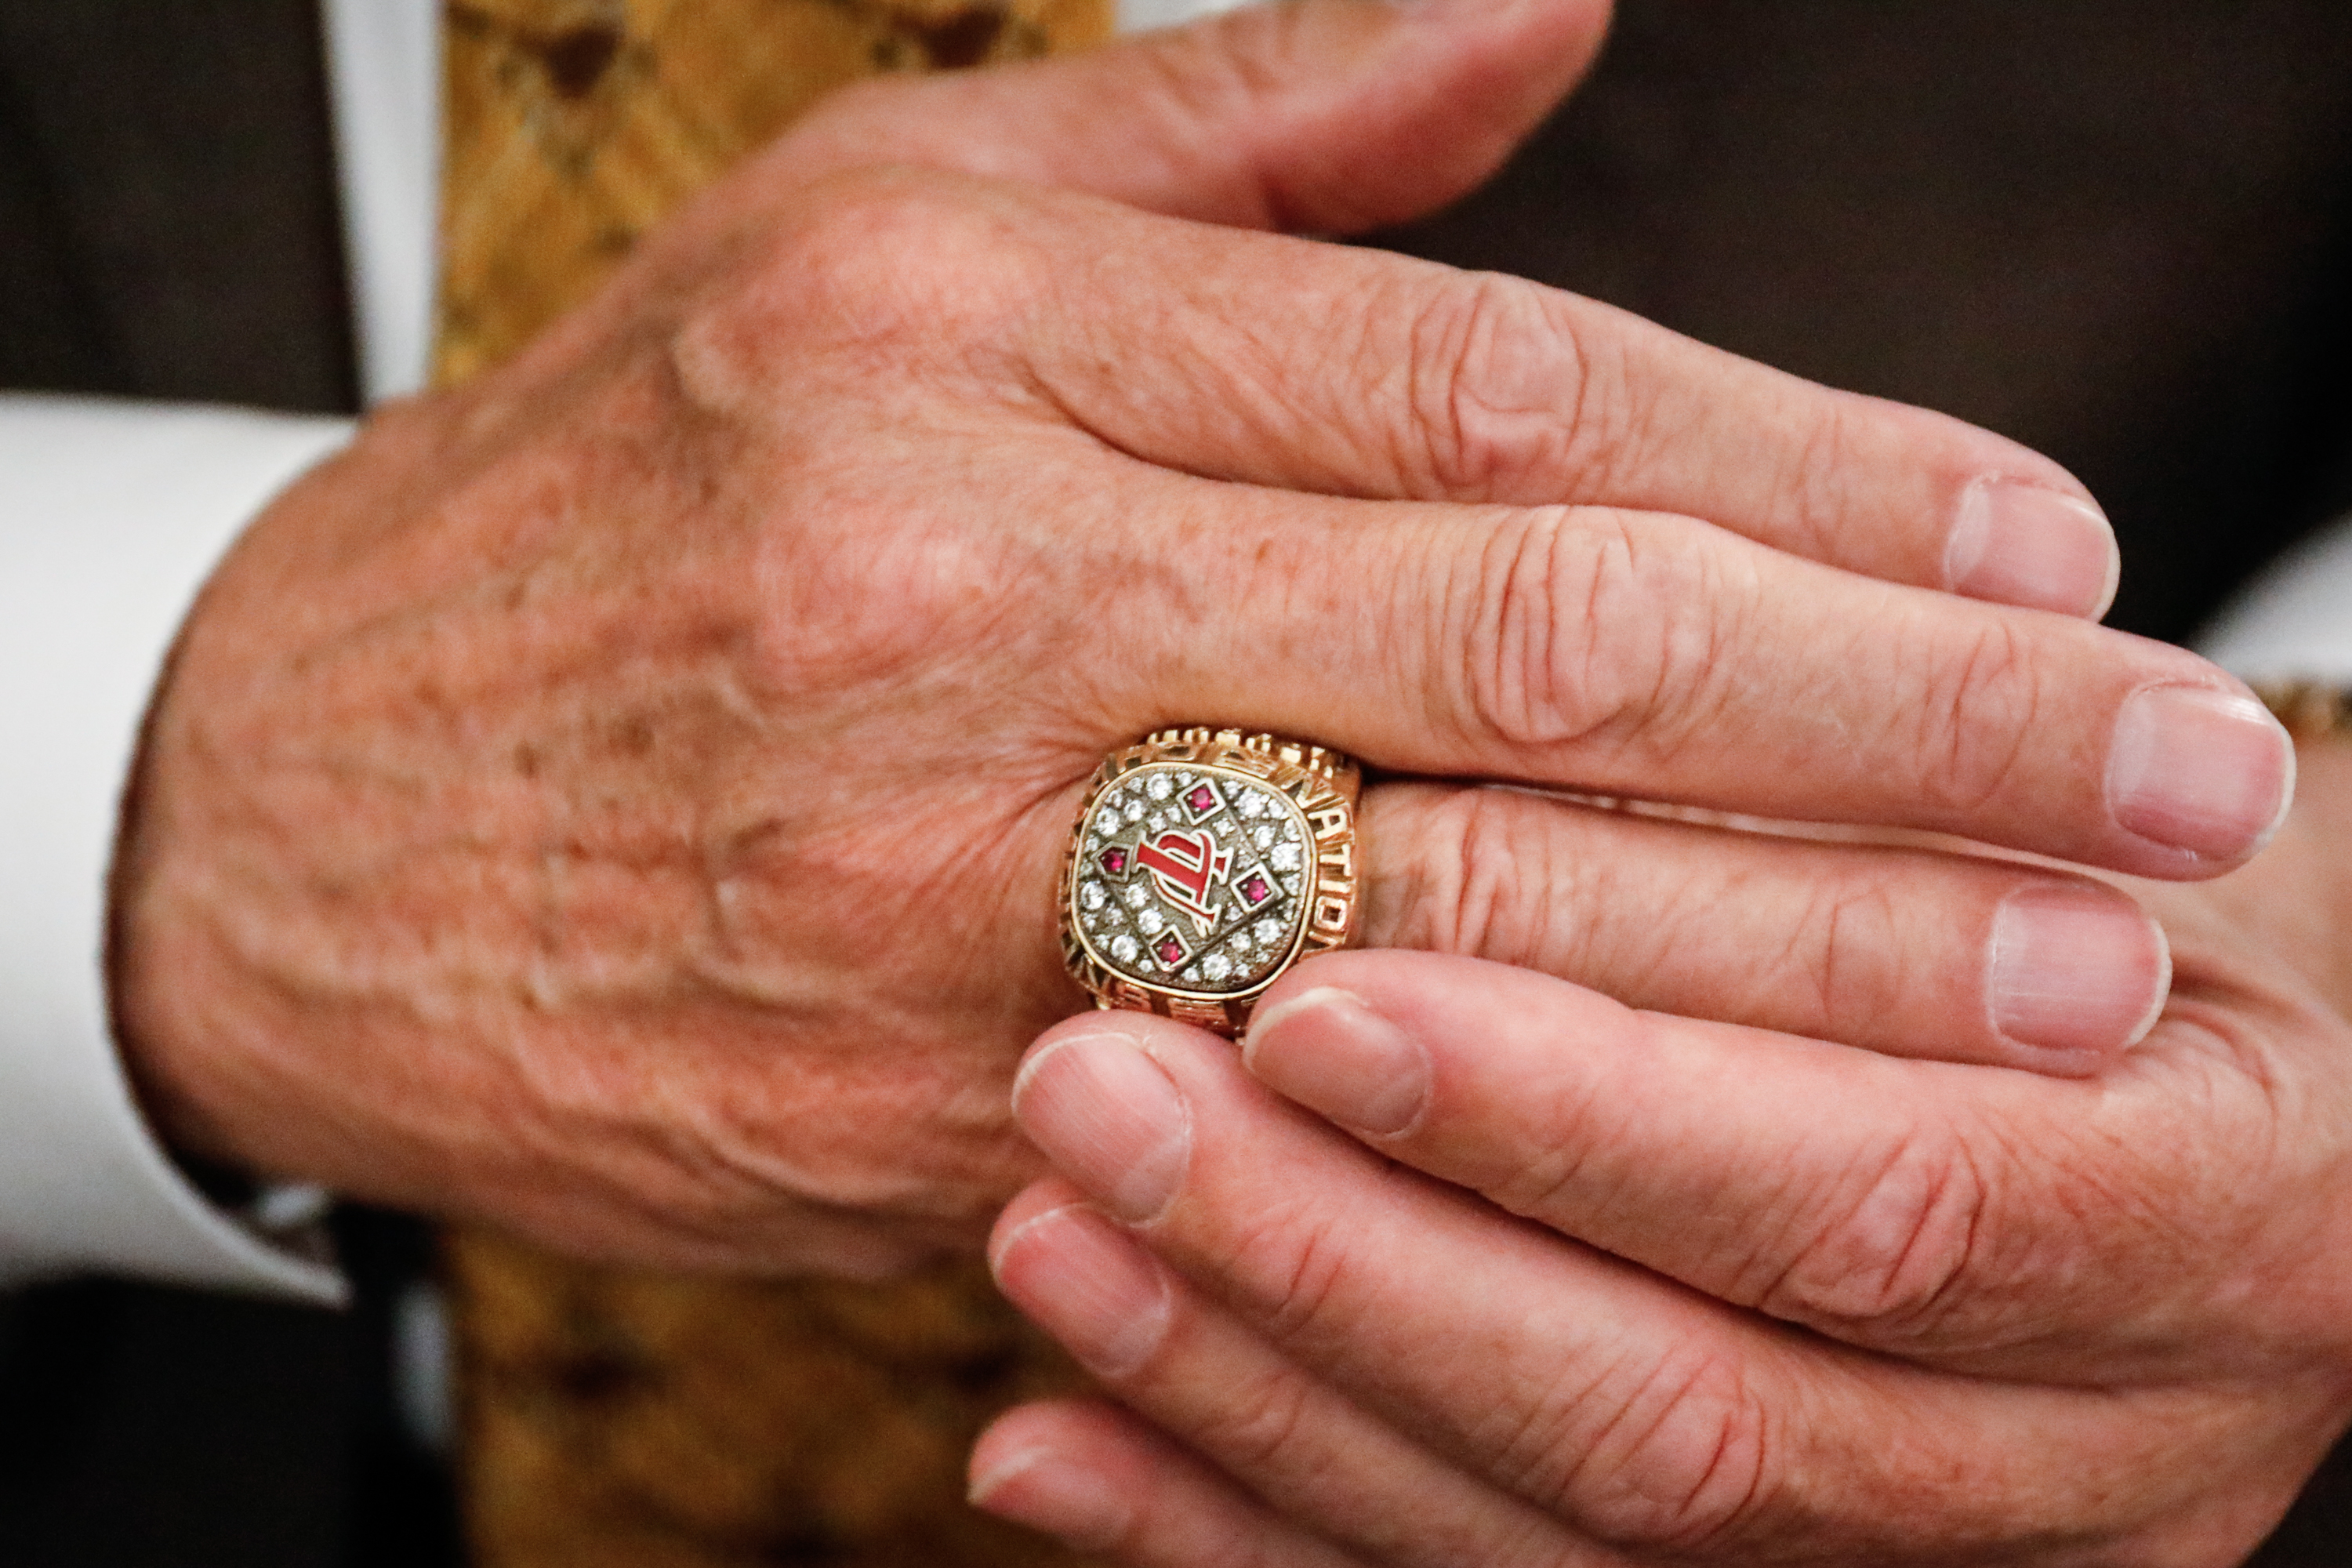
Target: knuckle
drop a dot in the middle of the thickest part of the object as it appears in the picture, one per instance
(1264, 1428)
(875, 259)
(1584, 632)
(882, 250)
(1476, 856)
(1846, 946)
(1817, 483)
(1508, 398)
(1556, 1180)
(1890, 1256)
(1528, 668)
(872, 580)
(1291, 1262)
(874, 606)
(1978, 706)
(1677, 1458)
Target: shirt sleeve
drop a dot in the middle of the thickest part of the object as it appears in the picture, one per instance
(112, 516)
(2294, 621)
(1137, 16)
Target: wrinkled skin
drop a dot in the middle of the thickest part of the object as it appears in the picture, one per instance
(620, 800)
(2105, 1320)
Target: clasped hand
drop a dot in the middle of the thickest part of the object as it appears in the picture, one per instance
(1722, 1225)
(620, 801)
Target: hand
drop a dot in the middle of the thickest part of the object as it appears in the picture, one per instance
(621, 800)
(1725, 1295)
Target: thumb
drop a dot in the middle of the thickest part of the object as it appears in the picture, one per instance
(1318, 115)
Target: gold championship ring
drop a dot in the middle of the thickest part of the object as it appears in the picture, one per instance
(1204, 864)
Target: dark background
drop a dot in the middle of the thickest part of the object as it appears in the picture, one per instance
(2118, 230)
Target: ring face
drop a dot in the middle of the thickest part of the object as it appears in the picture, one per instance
(1205, 863)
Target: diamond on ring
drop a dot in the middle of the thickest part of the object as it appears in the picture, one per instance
(1234, 855)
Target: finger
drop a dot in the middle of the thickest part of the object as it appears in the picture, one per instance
(1306, 1450)
(1639, 1413)
(1328, 115)
(1354, 372)
(1102, 1481)
(1131, 1493)
(1899, 950)
(1656, 656)
(1992, 1222)
(1294, 365)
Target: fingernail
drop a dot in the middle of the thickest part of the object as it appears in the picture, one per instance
(1089, 1286)
(2207, 771)
(1109, 1118)
(1041, 1489)
(2075, 969)
(2018, 544)
(1331, 1053)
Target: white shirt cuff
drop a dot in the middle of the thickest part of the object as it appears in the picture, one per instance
(110, 517)
(1136, 15)
(2292, 622)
